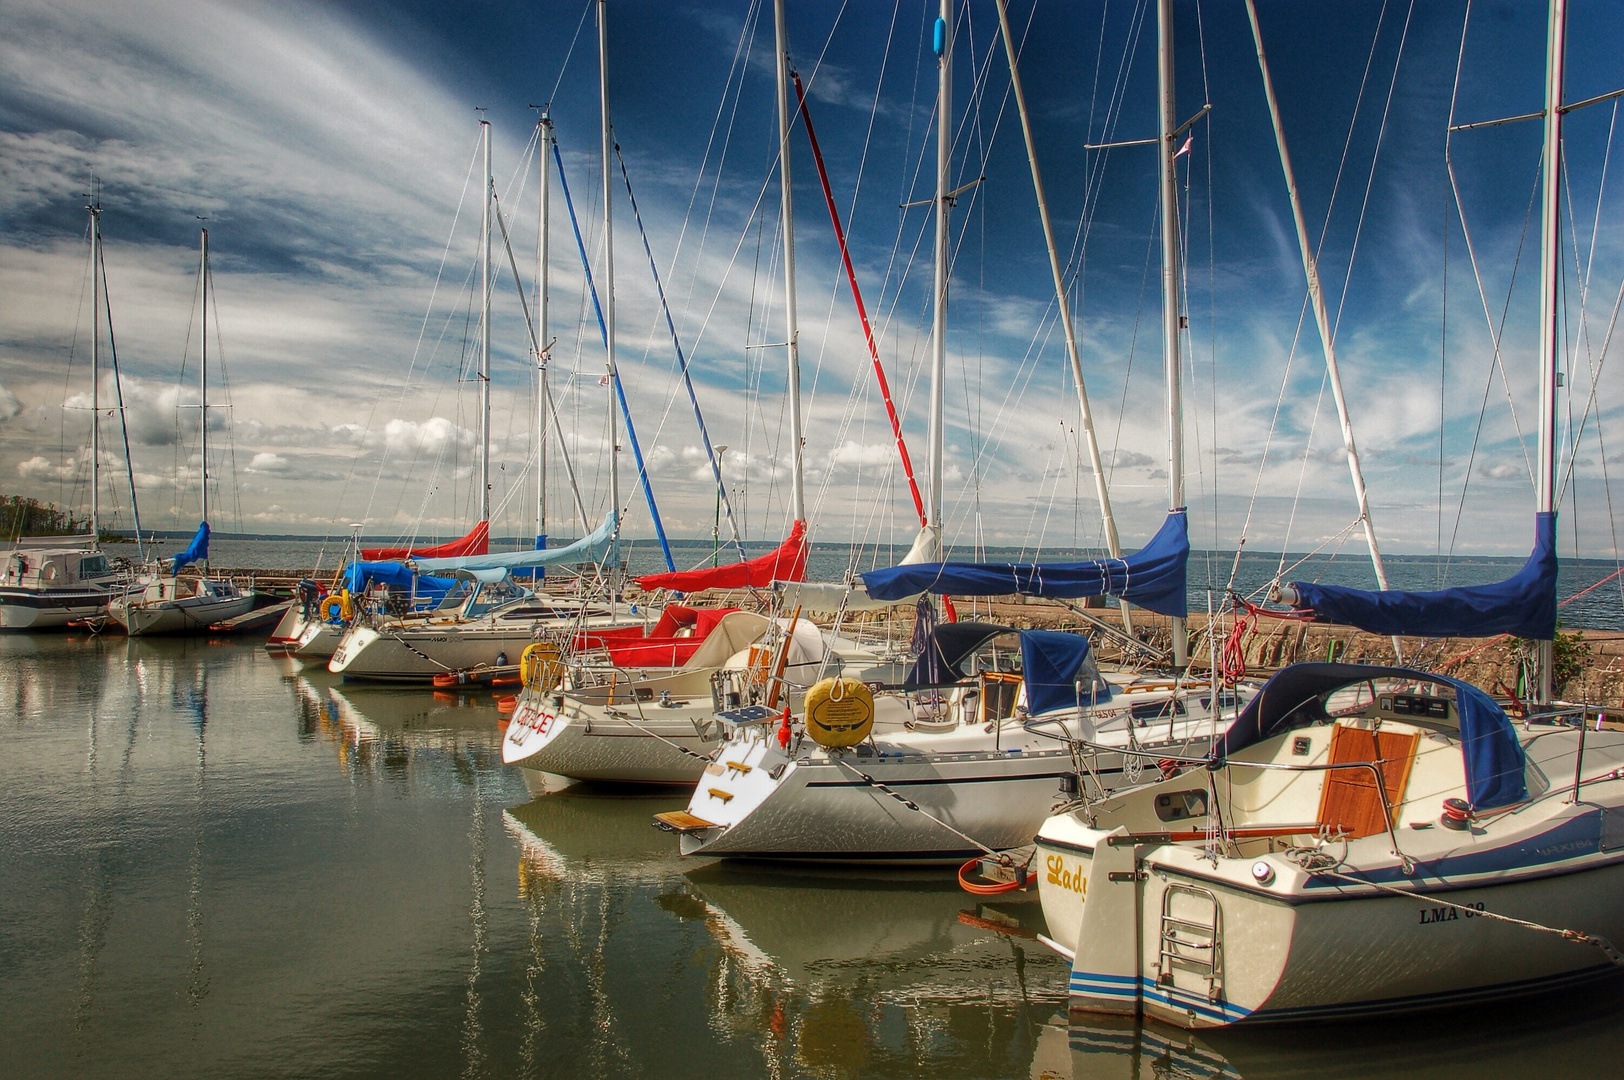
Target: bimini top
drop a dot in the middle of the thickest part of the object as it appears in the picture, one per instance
(1295, 697)
(1152, 577)
(593, 548)
(1523, 604)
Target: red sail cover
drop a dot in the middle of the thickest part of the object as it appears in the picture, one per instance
(477, 542)
(661, 647)
(786, 563)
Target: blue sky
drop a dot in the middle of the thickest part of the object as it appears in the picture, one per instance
(328, 145)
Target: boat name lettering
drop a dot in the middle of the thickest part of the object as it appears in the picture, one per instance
(1430, 915)
(1075, 880)
(1567, 847)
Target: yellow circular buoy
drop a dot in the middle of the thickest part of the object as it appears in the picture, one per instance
(539, 669)
(839, 712)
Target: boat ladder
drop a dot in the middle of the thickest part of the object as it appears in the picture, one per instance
(1192, 942)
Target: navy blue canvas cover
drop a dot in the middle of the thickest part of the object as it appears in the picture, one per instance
(196, 551)
(1050, 663)
(948, 646)
(1295, 697)
(1152, 577)
(1523, 604)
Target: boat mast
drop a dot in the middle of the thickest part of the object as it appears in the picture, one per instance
(1549, 298)
(1112, 543)
(1322, 318)
(485, 331)
(1166, 102)
(608, 262)
(203, 377)
(544, 144)
(943, 41)
(95, 363)
(787, 214)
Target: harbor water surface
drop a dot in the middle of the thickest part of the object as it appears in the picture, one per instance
(214, 864)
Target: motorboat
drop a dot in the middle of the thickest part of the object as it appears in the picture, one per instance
(1363, 840)
(49, 582)
(968, 754)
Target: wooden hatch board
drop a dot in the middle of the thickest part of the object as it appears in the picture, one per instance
(682, 821)
(1350, 801)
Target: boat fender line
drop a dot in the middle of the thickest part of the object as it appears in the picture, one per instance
(915, 807)
(678, 747)
(1612, 954)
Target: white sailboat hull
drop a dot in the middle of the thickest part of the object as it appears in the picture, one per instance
(568, 740)
(418, 653)
(187, 615)
(26, 609)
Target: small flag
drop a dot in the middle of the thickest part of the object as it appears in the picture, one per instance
(603, 380)
(1185, 149)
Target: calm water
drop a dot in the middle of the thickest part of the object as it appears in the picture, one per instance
(214, 865)
(1602, 609)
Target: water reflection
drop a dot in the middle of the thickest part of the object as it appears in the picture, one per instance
(215, 864)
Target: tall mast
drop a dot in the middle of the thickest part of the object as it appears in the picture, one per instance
(544, 145)
(485, 331)
(95, 363)
(608, 260)
(1112, 543)
(1166, 102)
(938, 360)
(796, 439)
(203, 377)
(1322, 317)
(1549, 271)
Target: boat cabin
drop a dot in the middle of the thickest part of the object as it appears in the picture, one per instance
(44, 569)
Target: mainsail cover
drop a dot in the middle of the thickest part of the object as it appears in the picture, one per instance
(1523, 604)
(787, 562)
(1152, 577)
(477, 542)
(593, 548)
(196, 551)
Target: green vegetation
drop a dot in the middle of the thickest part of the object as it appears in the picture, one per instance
(30, 517)
(1570, 656)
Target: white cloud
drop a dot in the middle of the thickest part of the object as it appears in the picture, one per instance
(267, 462)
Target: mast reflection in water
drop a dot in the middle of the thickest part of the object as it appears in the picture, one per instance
(216, 864)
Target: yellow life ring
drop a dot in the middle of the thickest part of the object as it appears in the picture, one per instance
(539, 669)
(839, 712)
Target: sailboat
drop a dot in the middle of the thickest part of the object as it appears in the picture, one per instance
(48, 582)
(968, 752)
(170, 604)
(1365, 840)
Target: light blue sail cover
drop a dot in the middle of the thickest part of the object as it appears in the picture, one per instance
(1152, 577)
(196, 551)
(594, 548)
(1523, 604)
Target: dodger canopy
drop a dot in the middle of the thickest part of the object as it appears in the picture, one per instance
(1295, 697)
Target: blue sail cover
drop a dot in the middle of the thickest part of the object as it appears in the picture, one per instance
(1295, 697)
(594, 548)
(196, 551)
(1152, 577)
(1050, 663)
(1523, 604)
(359, 576)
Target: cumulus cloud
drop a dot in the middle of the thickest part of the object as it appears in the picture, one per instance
(266, 462)
(10, 407)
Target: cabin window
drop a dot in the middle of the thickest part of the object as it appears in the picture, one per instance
(92, 565)
(1157, 710)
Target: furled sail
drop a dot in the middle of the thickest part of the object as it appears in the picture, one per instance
(477, 542)
(1152, 577)
(1523, 604)
(593, 548)
(196, 551)
(787, 562)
